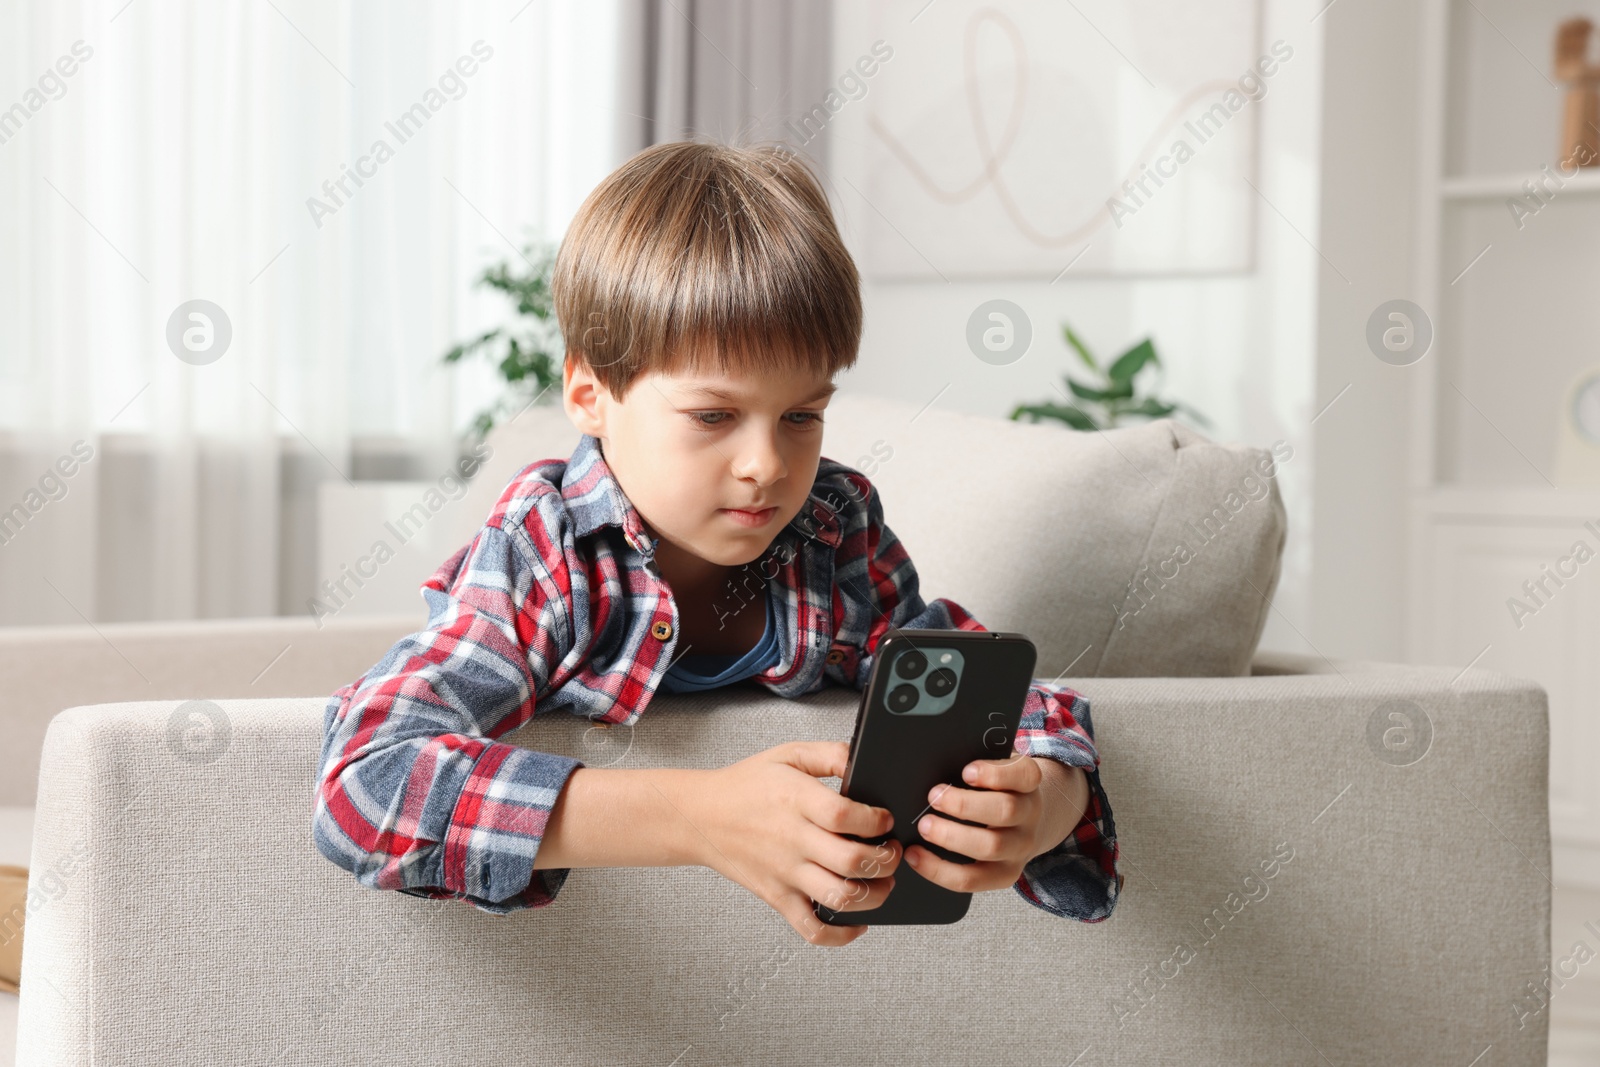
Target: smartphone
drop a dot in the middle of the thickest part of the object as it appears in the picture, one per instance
(936, 701)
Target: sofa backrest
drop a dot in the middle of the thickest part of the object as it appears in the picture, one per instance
(1144, 551)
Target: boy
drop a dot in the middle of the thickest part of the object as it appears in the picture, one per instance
(707, 302)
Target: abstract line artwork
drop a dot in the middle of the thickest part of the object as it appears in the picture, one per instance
(1022, 139)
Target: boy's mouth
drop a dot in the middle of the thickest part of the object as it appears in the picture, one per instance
(750, 518)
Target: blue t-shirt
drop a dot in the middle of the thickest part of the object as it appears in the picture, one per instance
(695, 671)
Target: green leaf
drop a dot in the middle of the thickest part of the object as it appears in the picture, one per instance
(1078, 345)
(1117, 391)
(1072, 416)
(1085, 392)
(1152, 408)
(521, 349)
(513, 368)
(466, 348)
(1133, 361)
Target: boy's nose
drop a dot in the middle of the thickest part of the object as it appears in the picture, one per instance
(761, 463)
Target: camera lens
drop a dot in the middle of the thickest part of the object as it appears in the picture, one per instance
(911, 664)
(902, 698)
(941, 682)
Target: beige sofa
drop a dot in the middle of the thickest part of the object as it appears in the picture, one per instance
(184, 916)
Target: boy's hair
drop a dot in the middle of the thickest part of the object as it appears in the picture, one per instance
(696, 257)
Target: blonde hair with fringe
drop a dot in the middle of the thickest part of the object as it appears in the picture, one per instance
(696, 257)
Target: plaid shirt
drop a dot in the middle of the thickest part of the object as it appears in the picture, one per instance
(557, 603)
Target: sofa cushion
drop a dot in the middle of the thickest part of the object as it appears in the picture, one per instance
(1144, 551)
(1076, 532)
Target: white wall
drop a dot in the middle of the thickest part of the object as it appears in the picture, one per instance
(1239, 347)
(1360, 493)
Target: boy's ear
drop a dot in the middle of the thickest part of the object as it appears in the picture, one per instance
(580, 396)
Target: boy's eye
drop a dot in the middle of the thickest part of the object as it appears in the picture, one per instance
(708, 419)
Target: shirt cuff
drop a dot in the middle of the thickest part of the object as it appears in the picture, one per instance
(1078, 878)
(497, 827)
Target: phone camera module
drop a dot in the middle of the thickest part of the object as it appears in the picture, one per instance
(941, 682)
(920, 681)
(902, 698)
(911, 664)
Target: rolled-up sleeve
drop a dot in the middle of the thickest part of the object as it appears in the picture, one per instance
(1078, 878)
(414, 792)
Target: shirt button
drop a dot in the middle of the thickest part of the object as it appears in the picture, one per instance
(662, 630)
(835, 656)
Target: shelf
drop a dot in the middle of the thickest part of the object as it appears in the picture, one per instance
(1512, 503)
(1496, 186)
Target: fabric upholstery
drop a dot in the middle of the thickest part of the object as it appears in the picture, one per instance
(1405, 925)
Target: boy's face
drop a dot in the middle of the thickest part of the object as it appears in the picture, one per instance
(685, 456)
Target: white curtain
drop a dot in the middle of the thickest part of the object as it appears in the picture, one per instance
(165, 151)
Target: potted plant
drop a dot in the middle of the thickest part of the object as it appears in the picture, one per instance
(1113, 394)
(527, 353)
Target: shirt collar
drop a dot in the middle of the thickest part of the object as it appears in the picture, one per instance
(595, 499)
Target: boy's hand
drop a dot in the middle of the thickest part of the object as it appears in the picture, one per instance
(768, 824)
(1021, 810)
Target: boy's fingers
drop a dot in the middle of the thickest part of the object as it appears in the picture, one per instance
(825, 807)
(844, 894)
(978, 842)
(797, 909)
(990, 807)
(957, 877)
(820, 759)
(1016, 773)
(840, 815)
(853, 859)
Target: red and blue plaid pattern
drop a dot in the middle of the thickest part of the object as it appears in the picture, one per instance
(416, 794)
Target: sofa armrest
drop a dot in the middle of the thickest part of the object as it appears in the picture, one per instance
(1279, 663)
(45, 669)
(1407, 908)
